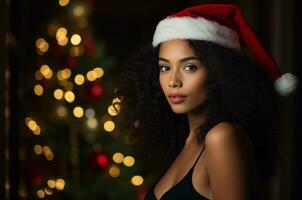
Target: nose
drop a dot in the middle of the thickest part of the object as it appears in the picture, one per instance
(174, 80)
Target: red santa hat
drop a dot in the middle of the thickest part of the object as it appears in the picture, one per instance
(224, 25)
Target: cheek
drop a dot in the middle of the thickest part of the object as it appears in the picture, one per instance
(197, 84)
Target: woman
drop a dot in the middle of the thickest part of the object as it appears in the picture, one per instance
(195, 92)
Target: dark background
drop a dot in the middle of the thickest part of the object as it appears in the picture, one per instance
(128, 25)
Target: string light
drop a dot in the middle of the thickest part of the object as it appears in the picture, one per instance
(78, 112)
(48, 191)
(42, 45)
(48, 153)
(99, 72)
(111, 111)
(38, 149)
(61, 36)
(58, 94)
(114, 171)
(75, 39)
(51, 183)
(63, 2)
(60, 184)
(109, 126)
(118, 157)
(137, 180)
(79, 79)
(91, 75)
(37, 130)
(46, 71)
(38, 89)
(40, 194)
(69, 96)
(129, 161)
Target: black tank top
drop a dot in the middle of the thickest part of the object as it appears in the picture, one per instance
(182, 190)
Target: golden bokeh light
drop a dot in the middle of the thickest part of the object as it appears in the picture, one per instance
(63, 41)
(66, 73)
(51, 183)
(116, 100)
(32, 125)
(91, 75)
(59, 75)
(38, 89)
(75, 39)
(58, 94)
(61, 33)
(111, 111)
(42, 45)
(48, 153)
(60, 184)
(27, 120)
(48, 191)
(44, 70)
(69, 96)
(118, 157)
(39, 41)
(79, 79)
(78, 112)
(137, 180)
(49, 74)
(38, 149)
(63, 2)
(99, 72)
(129, 161)
(37, 130)
(114, 171)
(109, 126)
(40, 194)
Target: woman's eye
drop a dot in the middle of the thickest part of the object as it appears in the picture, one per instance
(162, 67)
(191, 67)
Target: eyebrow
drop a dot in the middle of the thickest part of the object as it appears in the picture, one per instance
(181, 60)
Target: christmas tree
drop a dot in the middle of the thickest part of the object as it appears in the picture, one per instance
(73, 145)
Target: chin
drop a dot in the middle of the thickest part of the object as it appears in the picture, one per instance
(179, 110)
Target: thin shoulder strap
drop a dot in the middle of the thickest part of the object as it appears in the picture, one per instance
(199, 156)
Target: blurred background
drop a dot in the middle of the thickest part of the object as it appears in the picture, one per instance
(60, 137)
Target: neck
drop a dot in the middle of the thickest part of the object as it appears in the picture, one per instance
(195, 119)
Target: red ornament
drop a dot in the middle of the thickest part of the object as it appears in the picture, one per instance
(102, 160)
(94, 91)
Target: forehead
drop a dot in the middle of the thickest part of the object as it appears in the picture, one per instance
(175, 48)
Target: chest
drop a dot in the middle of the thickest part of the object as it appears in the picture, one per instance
(183, 171)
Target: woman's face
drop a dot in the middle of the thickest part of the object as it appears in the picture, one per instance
(181, 72)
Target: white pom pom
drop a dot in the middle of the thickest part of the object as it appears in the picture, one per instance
(286, 84)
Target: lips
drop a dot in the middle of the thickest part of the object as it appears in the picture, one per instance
(176, 98)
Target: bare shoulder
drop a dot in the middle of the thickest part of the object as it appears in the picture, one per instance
(225, 133)
(229, 161)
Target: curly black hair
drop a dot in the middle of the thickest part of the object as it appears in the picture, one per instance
(239, 91)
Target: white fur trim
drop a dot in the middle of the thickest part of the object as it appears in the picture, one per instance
(286, 84)
(195, 28)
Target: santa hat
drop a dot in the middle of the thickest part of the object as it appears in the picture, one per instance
(224, 25)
